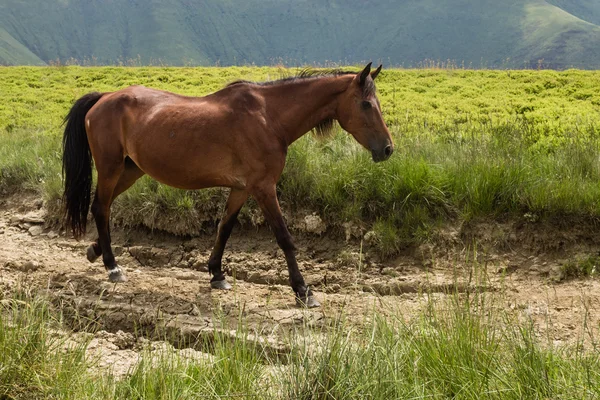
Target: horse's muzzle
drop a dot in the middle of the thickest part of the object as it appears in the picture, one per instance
(383, 153)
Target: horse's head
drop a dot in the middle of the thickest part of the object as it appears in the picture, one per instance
(359, 113)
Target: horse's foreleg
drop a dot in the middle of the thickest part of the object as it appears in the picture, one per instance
(267, 200)
(128, 177)
(236, 200)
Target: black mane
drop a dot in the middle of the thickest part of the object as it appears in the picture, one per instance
(325, 127)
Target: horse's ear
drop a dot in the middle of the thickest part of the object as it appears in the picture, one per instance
(363, 75)
(376, 72)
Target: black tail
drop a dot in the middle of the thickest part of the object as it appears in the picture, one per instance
(77, 165)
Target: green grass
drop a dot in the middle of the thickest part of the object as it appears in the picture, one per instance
(38, 361)
(580, 268)
(466, 346)
(468, 144)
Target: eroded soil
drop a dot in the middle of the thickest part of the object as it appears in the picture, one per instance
(168, 294)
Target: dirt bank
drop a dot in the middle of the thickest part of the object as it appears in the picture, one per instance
(168, 295)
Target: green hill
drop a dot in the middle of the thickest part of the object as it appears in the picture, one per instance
(13, 52)
(511, 33)
(587, 10)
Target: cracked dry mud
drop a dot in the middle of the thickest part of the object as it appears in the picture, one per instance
(168, 294)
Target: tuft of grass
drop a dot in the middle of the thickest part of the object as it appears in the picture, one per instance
(468, 347)
(581, 268)
(235, 372)
(35, 361)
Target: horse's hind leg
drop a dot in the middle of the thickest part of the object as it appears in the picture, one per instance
(107, 181)
(131, 173)
(236, 200)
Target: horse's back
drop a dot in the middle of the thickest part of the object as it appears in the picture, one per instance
(188, 142)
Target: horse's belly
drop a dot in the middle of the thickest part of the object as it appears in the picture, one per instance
(189, 170)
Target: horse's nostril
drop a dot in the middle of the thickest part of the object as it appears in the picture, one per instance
(388, 150)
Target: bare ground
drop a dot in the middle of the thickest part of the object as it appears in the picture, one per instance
(168, 296)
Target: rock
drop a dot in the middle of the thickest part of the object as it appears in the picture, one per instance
(33, 218)
(314, 224)
(29, 266)
(35, 230)
(351, 230)
(117, 250)
(184, 275)
(11, 265)
(264, 278)
(195, 311)
(256, 277)
(1, 231)
(257, 218)
(371, 238)
(287, 317)
(200, 266)
(123, 340)
(333, 288)
(556, 273)
(52, 234)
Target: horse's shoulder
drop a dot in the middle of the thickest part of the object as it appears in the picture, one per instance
(129, 93)
(245, 97)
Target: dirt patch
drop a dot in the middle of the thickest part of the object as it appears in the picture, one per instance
(168, 297)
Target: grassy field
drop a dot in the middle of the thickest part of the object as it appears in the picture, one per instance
(469, 144)
(464, 347)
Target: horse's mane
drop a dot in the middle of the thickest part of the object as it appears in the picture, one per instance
(325, 127)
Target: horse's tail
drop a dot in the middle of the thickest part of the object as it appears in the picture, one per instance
(77, 165)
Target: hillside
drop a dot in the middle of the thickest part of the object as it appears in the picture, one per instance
(587, 10)
(13, 52)
(515, 33)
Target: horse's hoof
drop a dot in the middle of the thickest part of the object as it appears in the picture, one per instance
(91, 254)
(116, 275)
(307, 301)
(222, 285)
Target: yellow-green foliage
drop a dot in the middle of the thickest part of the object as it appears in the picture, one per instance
(39, 97)
(467, 143)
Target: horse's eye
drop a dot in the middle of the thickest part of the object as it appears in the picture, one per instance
(366, 105)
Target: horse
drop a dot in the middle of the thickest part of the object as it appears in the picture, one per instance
(236, 137)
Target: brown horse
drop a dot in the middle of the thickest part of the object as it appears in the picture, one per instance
(237, 137)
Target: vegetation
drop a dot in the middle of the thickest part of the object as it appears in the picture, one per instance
(484, 33)
(468, 144)
(467, 346)
(580, 268)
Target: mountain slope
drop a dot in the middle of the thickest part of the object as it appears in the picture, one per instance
(489, 33)
(587, 10)
(13, 52)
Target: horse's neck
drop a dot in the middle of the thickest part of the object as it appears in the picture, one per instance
(301, 105)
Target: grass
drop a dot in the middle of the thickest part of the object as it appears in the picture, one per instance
(34, 362)
(580, 268)
(469, 144)
(462, 346)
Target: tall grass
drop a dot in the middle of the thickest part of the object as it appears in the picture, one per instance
(39, 361)
(468, 144)
(34, 361)
(464, 346)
